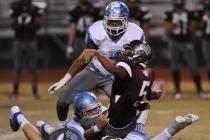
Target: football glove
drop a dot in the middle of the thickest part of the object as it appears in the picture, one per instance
(69, 51)
(59, 84)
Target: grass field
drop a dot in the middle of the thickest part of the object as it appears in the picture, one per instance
(161, 115)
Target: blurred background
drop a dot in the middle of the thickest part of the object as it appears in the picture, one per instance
(53, 35)
(59, 36)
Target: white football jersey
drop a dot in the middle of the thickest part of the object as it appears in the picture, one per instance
(97, 37)
(75, 125)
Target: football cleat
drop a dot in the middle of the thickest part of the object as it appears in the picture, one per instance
(203, 95)
(14, 124)
(178, 96)
(183, 121)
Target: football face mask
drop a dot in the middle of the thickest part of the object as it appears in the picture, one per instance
(137, 52)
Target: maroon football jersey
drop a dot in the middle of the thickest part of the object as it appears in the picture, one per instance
(128, 94)
(25, 26)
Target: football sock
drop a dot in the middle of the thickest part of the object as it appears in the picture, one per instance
(177, 126)
(197, 81)
(62, 111)
(48, 129)
(22, 120)
(42, 126)
(62, 124)
(209, 75)
(34, 89)
(164, 135)
(143, 117)
(15, 86)
(176, 79)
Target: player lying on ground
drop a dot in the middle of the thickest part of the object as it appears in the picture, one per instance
(87, 110)
(75, 131)
(83, 109)
(132, 83)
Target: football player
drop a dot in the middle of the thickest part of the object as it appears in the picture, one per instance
(139, 134)
(25, 19)
(133, 81)
(140, 15)
(86, 108)
(205, 27)
(179, 27)
(107, 36)
(126, 97)
(80, 18)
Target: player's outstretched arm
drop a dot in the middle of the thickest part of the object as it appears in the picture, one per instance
(107, 63)
(77, 65)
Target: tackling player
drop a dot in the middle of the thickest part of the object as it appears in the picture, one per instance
(132, 82)
(107, 36)
(86, 108)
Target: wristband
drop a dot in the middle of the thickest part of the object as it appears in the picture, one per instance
(66, 78)
(96, 129)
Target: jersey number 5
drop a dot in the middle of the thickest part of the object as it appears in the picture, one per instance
(144, 85)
